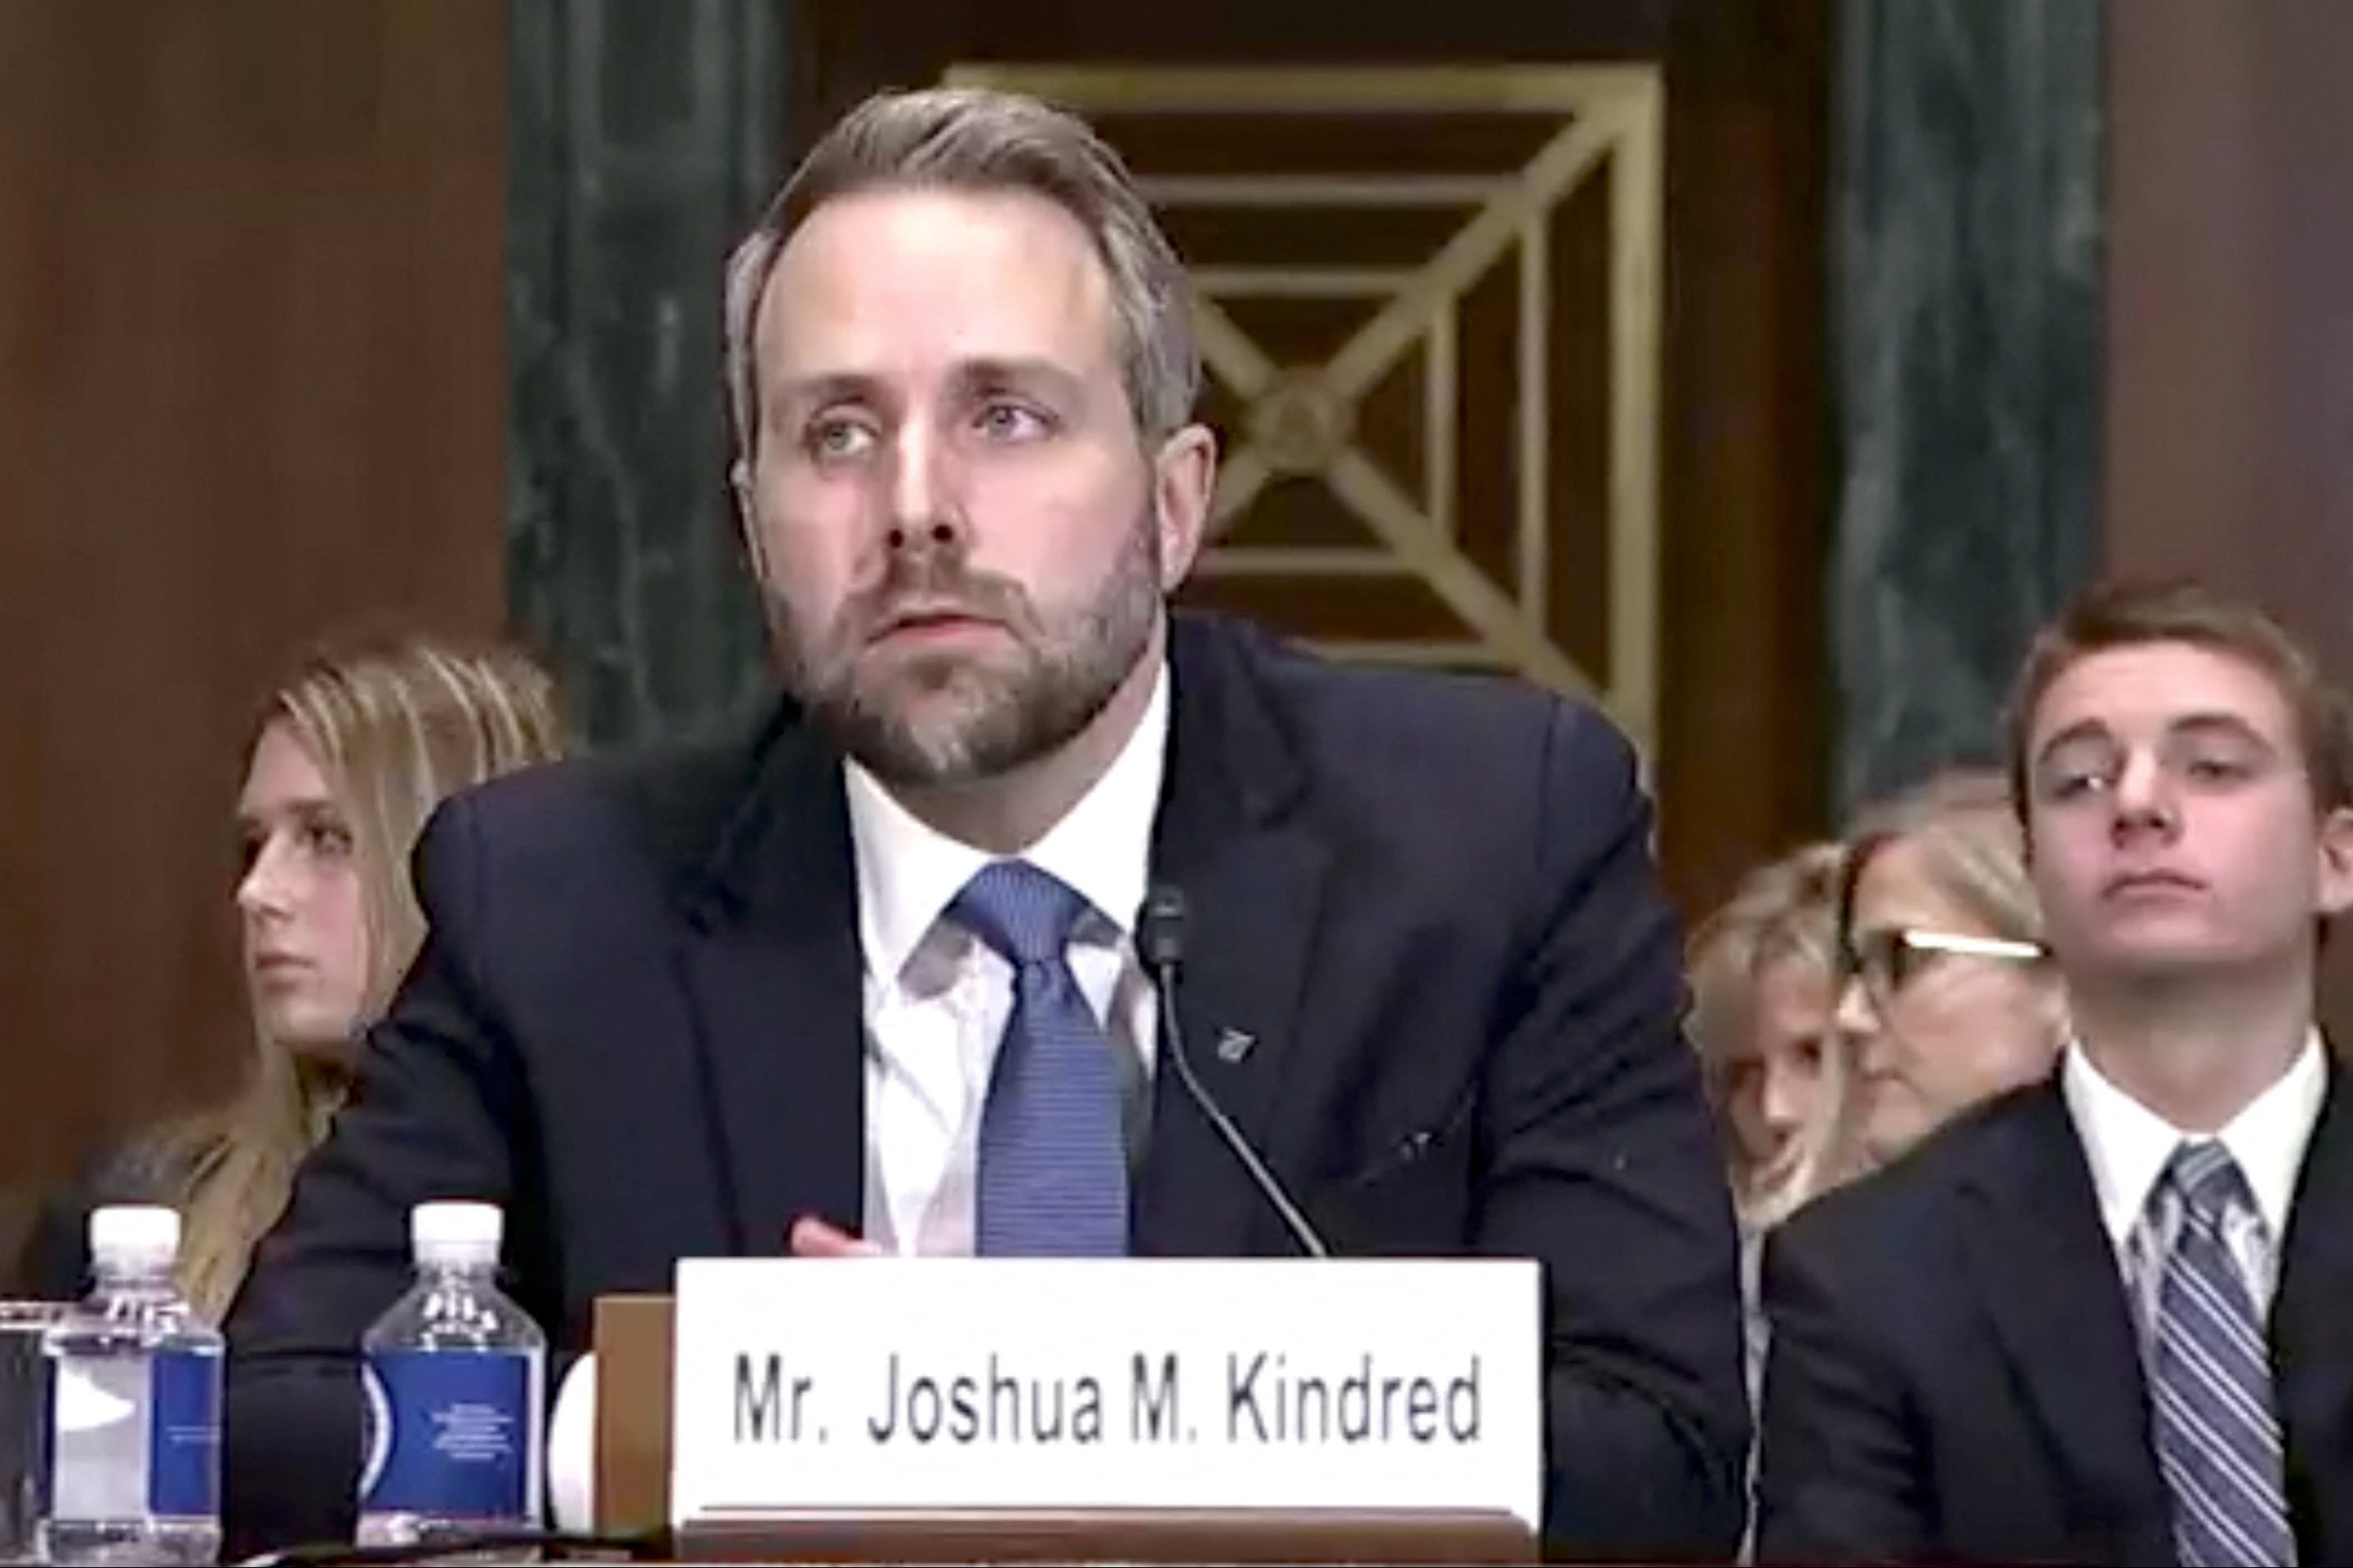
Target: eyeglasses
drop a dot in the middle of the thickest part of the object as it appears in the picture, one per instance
(1889, 959)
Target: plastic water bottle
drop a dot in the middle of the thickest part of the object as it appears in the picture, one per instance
(453, 1375)
(134, 1406)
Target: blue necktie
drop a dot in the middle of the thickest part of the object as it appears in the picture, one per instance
(1053, 1156)
(2218, 1439)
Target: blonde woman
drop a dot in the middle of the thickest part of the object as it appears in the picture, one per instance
(1946, 992)
(1764, 976)
(346, 763)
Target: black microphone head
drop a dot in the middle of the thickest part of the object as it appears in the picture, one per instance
(1160, 927)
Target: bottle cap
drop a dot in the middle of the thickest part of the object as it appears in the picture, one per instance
(451, 1231)
(135, 1236)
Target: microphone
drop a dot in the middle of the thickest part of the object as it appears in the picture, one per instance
(1160, 942)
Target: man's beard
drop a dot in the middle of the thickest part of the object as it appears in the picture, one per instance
(953, 718)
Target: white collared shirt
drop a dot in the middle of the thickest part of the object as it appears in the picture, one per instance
(937, 999)
(2128, 1146)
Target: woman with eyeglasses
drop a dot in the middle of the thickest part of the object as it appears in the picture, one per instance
(1944, 988)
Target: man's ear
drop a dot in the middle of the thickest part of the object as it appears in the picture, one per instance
(739, 482)
(2335, 867)
(1183, 481)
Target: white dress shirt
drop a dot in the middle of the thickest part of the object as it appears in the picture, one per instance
(2128, 1146)
(937, 999)
(937, 1002)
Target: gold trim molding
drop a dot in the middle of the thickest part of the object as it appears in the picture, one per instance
(1301, 419)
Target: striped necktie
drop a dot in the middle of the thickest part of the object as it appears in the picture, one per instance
(2218, 1436)
(1052, 1171)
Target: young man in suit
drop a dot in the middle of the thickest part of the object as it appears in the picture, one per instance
(699, 1004)
(2104, 1319)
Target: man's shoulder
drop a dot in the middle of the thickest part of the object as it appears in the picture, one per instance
(665, 801)
(1412, 717)
(1887, 1223)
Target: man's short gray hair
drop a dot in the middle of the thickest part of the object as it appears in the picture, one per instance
(976, 139)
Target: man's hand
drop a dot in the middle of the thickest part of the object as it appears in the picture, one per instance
(812, 1237)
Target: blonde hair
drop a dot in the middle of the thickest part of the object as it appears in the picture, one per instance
(980, 140)
(1783, 912)
(395, 726)
(1963, 825)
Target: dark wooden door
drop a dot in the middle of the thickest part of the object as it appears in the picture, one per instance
(1515, 333)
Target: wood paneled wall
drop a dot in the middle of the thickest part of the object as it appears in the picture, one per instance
(2229, 315)
(252, 384)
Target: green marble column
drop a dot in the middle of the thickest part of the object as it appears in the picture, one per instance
(643, 135)
(1966, 308)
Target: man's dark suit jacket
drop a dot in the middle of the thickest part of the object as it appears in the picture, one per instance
(1955, 1375)
(637, 1024)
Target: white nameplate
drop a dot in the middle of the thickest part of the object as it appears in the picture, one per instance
(1013, 1383)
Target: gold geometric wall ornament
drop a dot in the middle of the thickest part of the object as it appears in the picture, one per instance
(1428, 302)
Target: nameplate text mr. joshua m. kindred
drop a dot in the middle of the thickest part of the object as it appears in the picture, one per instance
(900, 1383)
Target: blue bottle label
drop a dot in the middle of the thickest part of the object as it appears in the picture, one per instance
(449, 1434)
(184, 1436)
